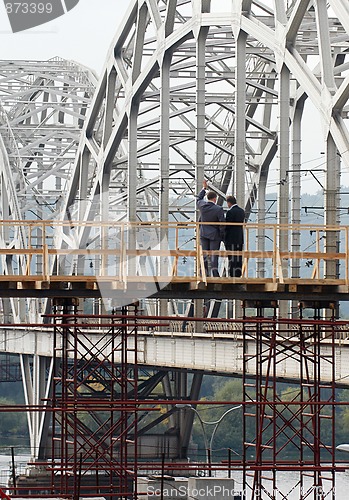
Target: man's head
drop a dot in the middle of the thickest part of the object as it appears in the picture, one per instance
(231, 200)
(212, 196)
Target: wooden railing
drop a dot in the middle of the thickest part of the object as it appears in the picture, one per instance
(124, 252)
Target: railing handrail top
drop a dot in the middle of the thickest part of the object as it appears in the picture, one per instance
(174, 224)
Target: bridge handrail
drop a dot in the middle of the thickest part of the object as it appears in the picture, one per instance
(124, 251)
(115, 223)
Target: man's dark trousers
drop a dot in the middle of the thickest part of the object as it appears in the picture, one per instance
(210, 261)
(235, 261)
(211, 235)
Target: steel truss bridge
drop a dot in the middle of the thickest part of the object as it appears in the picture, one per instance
(107, 171)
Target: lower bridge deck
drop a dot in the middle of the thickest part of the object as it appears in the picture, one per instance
(226, 353)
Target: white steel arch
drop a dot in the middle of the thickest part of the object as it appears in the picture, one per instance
(43, 106)
(188, 89)
(195, 88)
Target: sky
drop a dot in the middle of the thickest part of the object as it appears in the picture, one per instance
(83, 34)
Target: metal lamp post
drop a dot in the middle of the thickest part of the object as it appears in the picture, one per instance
(216, 423)
(343, 447)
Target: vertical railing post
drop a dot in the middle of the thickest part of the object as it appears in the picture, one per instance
(104, 244)
(275, 249)
(121, 255)
(315, 274)
(30, 255)
(244, 270)
(45, 263)
(346, 255)
(176, 257)
(125, 267)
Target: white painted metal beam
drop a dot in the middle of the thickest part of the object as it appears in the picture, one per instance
(220, 353)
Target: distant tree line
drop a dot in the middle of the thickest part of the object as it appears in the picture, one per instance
(12, 423)
(229, 432)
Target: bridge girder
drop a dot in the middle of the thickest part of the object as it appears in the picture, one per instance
(167, 108)
(43, 106)
(221, 90)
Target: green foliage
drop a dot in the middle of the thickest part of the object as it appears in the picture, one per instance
(288, 420)
(228, 432)
(342, 418)
(12, 391)
(12, 423)
(230, 390)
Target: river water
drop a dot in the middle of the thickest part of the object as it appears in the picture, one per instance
(21, 461)
(285, 480)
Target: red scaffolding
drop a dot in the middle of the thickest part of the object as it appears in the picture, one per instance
(95, 404)
(301, 425)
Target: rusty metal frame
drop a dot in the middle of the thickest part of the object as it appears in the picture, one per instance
(97, 379)
(282, 424)
(105, 462)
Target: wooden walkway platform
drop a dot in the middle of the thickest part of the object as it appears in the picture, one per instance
(61, 259)
(215, 288)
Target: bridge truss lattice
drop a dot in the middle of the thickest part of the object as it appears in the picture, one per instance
(215, 89)
(218, 90)
(43, 106)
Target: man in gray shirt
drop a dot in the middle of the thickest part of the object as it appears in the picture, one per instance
(211, 235)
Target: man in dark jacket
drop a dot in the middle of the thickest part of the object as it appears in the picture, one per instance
(211, 235)
(234, 236)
